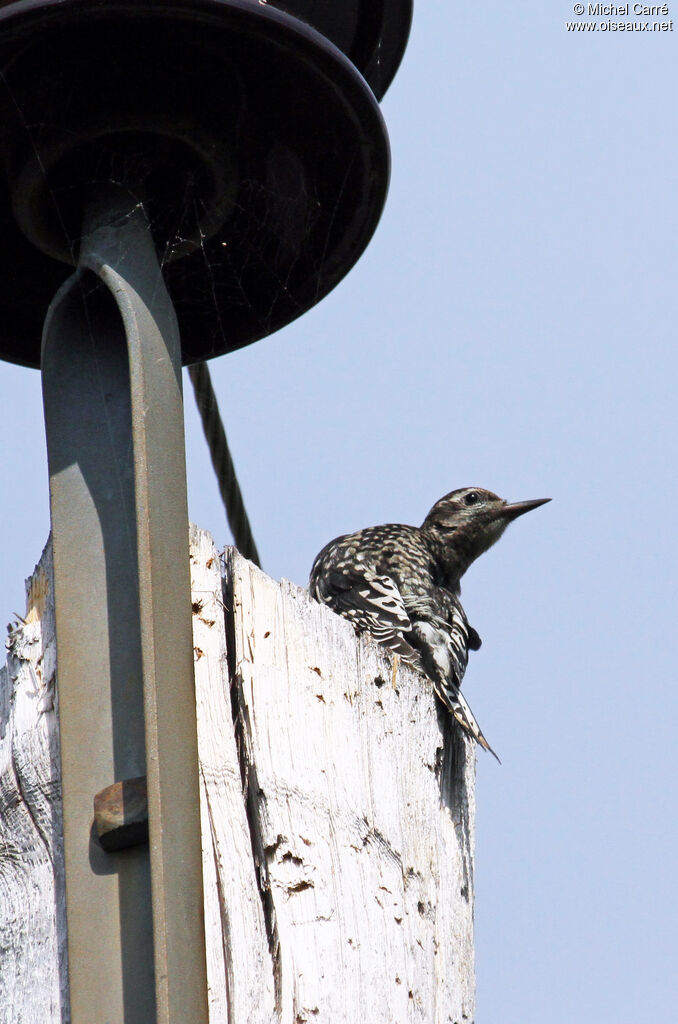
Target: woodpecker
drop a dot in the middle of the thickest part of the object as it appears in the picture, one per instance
(401, 584)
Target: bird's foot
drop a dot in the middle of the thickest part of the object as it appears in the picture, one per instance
(474, 641)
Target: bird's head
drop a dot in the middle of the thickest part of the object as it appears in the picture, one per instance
(470, 520)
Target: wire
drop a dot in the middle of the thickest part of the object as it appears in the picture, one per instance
(215, 435)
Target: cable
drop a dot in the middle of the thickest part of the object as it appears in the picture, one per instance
(222, 462)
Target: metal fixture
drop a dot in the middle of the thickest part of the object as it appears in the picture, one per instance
(259, 149)
(372, 33)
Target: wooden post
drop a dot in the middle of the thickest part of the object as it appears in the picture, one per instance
(337, 816)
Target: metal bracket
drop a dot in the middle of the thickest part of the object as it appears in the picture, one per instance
(121, 814)
(114, 417)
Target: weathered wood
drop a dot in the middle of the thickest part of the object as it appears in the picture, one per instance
(364, 836)
(337, 817)
(32, 899)
(239, 974)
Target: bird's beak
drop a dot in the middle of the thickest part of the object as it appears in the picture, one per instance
(519, 508)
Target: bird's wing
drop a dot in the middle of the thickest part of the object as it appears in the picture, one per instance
(443, 641)
(371, 602)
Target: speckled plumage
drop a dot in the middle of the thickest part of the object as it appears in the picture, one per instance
(401, 584)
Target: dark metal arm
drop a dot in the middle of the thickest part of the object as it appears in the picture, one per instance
(114, 416)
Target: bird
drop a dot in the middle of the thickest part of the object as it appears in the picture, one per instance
(401, 584)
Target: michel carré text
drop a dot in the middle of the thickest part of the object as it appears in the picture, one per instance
(624, 10)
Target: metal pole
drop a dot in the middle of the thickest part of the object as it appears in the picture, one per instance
(114, 418)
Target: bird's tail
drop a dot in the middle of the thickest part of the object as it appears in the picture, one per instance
(454, 699)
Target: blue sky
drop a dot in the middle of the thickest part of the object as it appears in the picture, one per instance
(511, 325)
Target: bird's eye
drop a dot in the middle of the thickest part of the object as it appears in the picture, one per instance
(472, 498)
